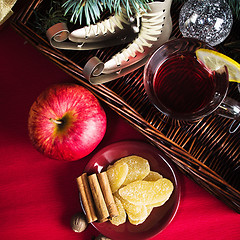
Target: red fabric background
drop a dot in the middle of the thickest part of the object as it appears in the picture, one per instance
(39, 195)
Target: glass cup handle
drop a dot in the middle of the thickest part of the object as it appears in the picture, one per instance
(230, 108)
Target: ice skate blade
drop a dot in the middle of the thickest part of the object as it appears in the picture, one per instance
(92, 71)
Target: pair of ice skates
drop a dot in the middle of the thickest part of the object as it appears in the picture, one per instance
(143, 32)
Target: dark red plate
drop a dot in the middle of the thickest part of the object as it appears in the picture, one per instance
(160, 217)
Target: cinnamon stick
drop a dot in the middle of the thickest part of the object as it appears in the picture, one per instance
(86, 197)
(107, 194)
(102, 211)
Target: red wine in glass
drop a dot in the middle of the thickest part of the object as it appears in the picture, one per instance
(183, 85)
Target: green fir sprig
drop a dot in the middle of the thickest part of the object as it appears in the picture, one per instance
(235, 7)
(90, 10)
(52, 15)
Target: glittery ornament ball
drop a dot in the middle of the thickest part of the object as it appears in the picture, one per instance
(207, 20)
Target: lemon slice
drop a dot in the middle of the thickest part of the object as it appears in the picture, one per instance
(215, 60)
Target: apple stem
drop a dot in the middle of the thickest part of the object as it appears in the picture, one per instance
(55, 121)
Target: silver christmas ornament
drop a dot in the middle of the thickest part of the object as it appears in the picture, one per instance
(207, 20)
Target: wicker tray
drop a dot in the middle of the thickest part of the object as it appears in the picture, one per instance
(206, 152)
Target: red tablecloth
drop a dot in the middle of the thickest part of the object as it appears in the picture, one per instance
(39, 195)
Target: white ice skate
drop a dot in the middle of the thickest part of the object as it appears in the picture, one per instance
(115, 30)
(155, 29)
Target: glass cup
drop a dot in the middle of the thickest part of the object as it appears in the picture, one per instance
(182, 88)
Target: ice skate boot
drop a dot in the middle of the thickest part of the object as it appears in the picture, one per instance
(155, 29)
(115, 30)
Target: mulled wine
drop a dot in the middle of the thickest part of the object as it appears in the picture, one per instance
(183, 85)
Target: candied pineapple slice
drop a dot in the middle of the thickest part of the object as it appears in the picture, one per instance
(158, 204)
(135, 212)
(117, 175)
(138, 168)
(147, 192)
(109, 166)
(153, 176)
(121, 218)
(136, 222)
(139, 221)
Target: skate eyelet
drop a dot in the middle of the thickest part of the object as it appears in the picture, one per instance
(131, 19)
(124, 38)
(164, 10)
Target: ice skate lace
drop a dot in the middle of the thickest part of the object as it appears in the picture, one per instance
(150, 30)
(107, 25)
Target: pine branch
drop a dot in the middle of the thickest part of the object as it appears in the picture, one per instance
(235, 7)
(50, 16)
(91, 10)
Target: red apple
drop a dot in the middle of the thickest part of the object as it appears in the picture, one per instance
(66, 122)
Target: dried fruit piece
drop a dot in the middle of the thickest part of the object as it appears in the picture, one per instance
(137, 190)
(138, 168)
(147, 192)
(134, 212)
(153, 176)
(109, 166)
(121, 218)
(136, 222)
(117, 175)
(158, 204)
